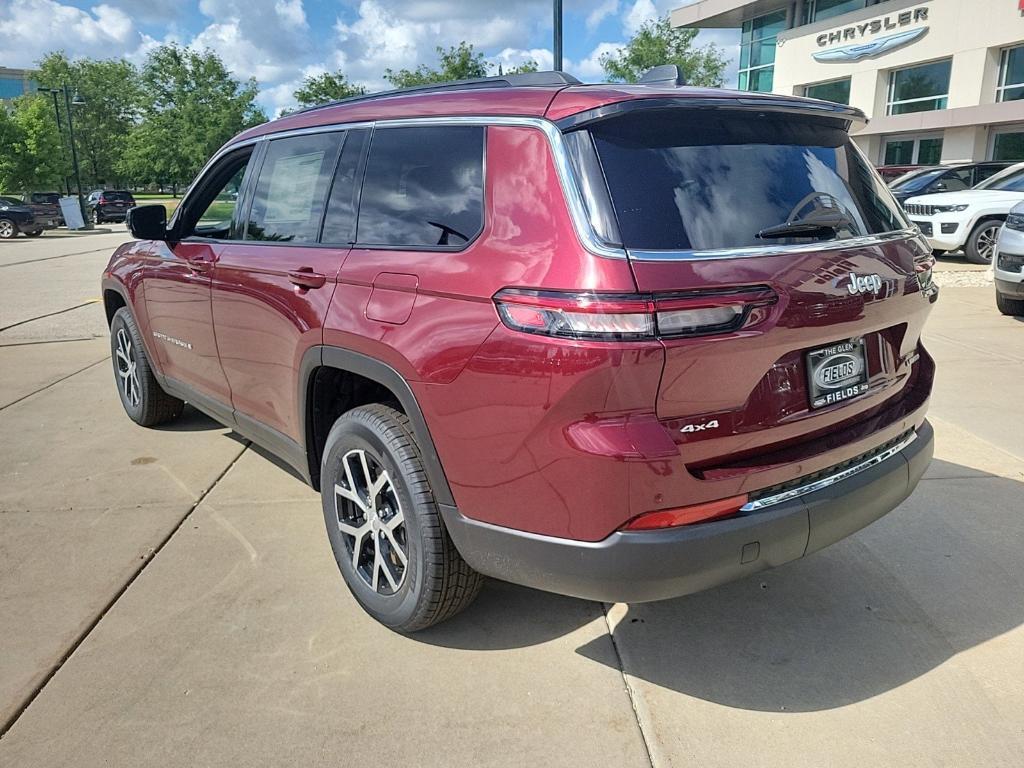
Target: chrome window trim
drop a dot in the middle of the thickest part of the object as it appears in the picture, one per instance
(825, 482)
(773, 250)
(570, 189)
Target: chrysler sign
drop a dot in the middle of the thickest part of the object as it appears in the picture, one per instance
(866, 38)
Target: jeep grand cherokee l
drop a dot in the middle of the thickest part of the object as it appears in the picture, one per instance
(621, 342)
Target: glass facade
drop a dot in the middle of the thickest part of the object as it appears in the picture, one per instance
(835, 90)
(1008, 146)
(757, 50)
(1011, 74)
(13, 86)
(816, 10)
(919, 89)
(913, 150)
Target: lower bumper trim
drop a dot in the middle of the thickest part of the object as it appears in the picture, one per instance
(640, 566)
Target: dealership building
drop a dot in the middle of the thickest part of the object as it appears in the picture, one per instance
(940, 80)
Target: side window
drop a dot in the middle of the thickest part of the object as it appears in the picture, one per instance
(288, 203)
(952, 181)
(340, 219)
(220, 211)
(423, 187)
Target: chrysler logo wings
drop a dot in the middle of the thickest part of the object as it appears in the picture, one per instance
(874, 48)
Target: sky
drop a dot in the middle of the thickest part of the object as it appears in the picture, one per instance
(279, 42)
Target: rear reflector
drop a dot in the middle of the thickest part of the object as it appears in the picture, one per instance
(625, 317)
(699, 513)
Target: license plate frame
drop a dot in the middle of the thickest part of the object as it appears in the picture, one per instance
(836, 373)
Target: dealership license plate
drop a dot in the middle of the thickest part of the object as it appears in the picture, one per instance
(836, 373)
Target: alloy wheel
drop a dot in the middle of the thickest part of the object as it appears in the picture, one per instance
(371, 522)
(6, 229)
(987, 241)
(127, 368)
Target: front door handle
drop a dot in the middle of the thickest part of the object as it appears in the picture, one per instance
(200, 266)
(305, 277)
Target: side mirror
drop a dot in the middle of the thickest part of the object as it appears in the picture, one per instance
(148, 222)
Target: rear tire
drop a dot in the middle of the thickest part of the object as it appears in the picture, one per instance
(1008, 306)
(982, 241)
(144, 400)
(384, 526)
(37, 233)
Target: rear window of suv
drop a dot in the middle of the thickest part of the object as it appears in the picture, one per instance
(688, 180)
(115, 194)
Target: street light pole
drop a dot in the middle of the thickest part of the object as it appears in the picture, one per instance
(558, 35)
(74, 157)
(60, 132)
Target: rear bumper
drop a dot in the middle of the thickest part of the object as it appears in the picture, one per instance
(655, 565)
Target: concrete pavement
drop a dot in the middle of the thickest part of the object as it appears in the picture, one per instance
(171, 593)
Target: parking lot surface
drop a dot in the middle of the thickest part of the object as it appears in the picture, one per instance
(169, 597)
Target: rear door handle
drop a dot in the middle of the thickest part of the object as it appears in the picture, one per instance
(305, 277)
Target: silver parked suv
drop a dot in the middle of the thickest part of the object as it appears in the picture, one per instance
(1009, 263)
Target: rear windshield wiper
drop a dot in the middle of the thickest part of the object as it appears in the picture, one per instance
(813, 226)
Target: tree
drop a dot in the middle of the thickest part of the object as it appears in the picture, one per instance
(460, 62)
(330, 86)
(191, 106)
(527, 66)
(658, 42)
(102, 124)
(32, 159)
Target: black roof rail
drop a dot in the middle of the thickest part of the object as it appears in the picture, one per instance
(524, 79)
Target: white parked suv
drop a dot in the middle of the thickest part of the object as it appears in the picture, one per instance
(969, 219)
(1009, 264)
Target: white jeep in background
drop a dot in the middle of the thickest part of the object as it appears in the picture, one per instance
(969, 219)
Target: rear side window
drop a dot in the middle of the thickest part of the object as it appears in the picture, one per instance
(289, 199)
(423, 187)
(682, 180)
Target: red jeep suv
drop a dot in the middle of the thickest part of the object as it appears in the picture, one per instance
(620, 342)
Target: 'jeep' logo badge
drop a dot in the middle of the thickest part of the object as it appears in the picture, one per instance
(864, 284)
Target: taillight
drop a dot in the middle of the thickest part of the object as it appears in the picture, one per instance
(626, 317)
(101, 200)
(698, 513)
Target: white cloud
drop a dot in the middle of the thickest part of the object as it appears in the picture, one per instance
(640, 12)
(589, 69)
(29, 29)
(600, 13)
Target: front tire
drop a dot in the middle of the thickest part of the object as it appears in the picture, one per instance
(982, 241)
(143, 399)
(1008, 306)
(8, 229)
(384, 526)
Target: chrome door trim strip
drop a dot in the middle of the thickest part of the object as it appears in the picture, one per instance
(825, 482)
(773, 250)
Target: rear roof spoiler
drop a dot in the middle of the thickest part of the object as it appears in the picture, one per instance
(794, 105)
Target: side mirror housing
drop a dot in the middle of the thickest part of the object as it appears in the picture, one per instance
(148, 222)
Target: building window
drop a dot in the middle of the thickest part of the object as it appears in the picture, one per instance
(834, 90)
(1011, 74)
(757, 50)
(912, 150)
(816, 10)
(1008, 145)
(919, 89)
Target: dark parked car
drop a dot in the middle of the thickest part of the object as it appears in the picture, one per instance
(890, 172)
(620, 342)
(16, 216)
(943, 178)
(46, 208)
(105, 205)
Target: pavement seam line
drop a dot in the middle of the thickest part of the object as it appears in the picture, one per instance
(51, 258)
(630, 692)
(48, 341)
(52, 383)
(23, 707)
(48, 314)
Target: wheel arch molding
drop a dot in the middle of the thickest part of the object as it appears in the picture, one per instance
(345, 361)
